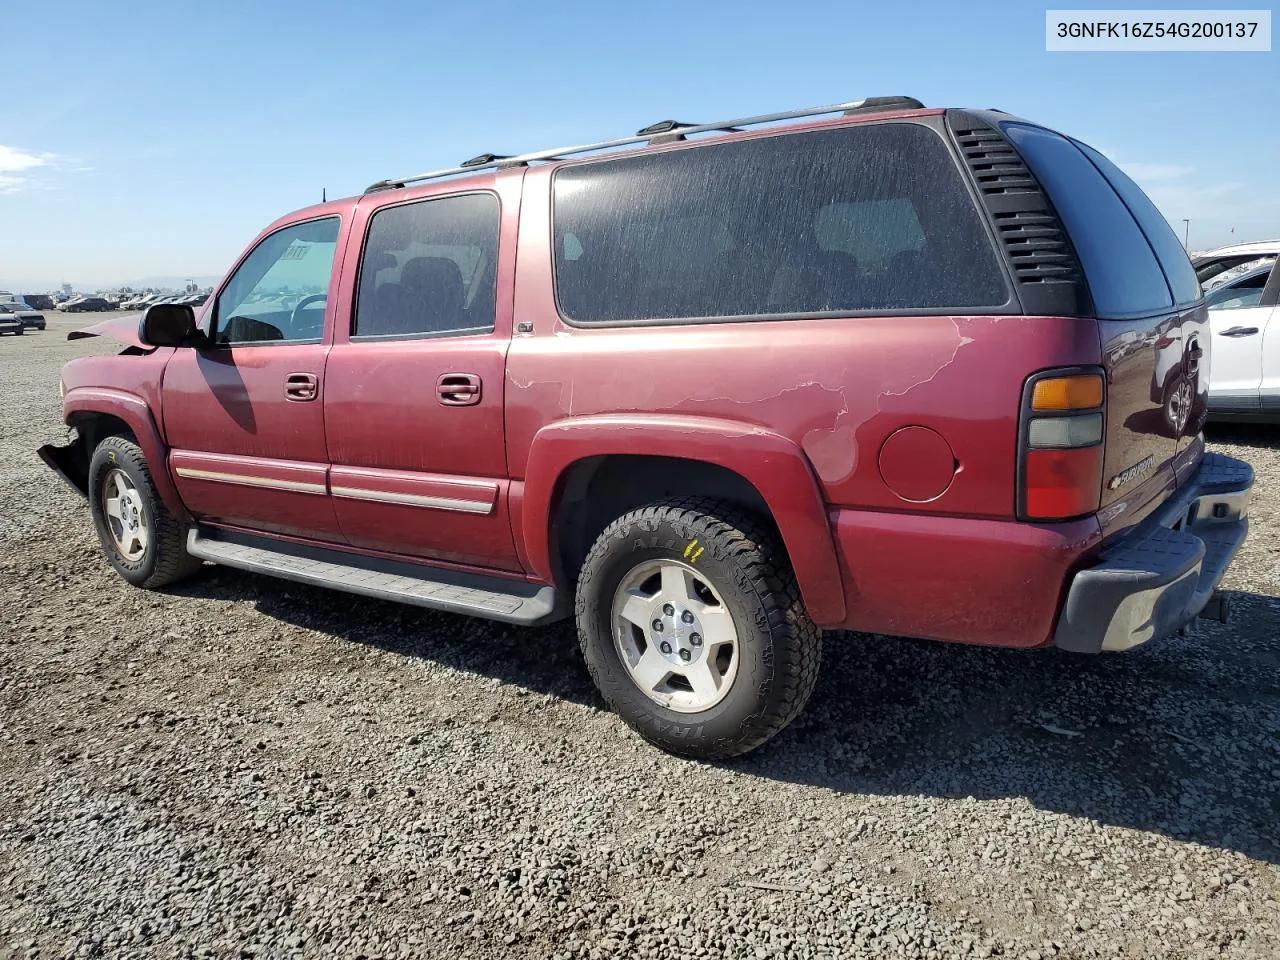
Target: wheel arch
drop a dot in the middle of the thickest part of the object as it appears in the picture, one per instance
(98, 413)
(585, 472)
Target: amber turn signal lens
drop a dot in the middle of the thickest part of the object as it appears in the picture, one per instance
(1081, 392)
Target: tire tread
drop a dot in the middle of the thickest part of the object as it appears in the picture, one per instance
(752, 546)
(172, 562)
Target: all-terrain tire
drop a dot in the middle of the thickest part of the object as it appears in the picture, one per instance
(741, 557)
(165, 559)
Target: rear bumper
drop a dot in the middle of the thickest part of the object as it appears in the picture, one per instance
(992, 582)
(1157, 577)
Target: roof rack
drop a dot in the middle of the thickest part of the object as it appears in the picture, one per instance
(662, 132)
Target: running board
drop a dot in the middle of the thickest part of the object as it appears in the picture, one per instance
(494, 598)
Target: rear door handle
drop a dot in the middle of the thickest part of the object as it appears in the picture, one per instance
(301, 387)
(458, 389)
(1240, 332)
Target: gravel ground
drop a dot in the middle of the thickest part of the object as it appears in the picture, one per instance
(247, 768)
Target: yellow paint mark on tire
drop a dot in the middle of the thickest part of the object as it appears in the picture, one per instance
(689, 549)
(694, 558)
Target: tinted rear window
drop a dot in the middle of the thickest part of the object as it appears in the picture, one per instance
(866, 218)
(1169, 250)
(1124, 276)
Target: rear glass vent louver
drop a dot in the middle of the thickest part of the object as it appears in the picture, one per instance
(1034, 242)
(1035, 246)
(995, 165)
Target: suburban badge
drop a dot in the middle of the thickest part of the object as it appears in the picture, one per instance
(1139, 469)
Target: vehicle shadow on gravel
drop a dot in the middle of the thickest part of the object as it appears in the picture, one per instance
(1181, 738)
(1264, 436)
(541, 659)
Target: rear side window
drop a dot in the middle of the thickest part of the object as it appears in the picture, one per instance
(1236, 296)
(430, 268)
(871, 218)
(1124, 276)
(1169, 250)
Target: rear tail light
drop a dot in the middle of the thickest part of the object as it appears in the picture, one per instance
(1061, 430)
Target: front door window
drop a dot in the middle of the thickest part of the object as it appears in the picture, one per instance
(278, 294)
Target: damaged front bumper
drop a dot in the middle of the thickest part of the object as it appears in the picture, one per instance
(69, 462)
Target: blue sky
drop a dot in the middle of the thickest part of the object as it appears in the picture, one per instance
(145, 138)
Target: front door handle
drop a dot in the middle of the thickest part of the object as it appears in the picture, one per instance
(1240, 332)
(458, 389)
(301, 387)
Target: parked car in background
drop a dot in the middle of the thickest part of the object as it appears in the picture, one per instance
(709, 395)
(39, 301)
(1244, 315)
(1218, 266)
(31, 319)
(9, 323)
(86, 305)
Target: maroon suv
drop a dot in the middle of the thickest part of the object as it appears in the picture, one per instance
(714, 388)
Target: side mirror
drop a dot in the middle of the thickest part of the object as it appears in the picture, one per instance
(169, 325)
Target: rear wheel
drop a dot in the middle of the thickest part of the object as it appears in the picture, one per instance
(143, 541)
(692, 627)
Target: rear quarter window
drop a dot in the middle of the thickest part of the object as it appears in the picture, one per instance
(867, 219)
(1168, 248)
(1125, 278)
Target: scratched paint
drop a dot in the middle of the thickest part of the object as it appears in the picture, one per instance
(835, 387)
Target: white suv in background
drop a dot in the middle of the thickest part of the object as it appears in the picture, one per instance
(1242, 292)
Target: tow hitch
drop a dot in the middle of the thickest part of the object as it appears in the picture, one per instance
(1218, 608)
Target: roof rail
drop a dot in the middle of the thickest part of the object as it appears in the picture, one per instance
(661, 132)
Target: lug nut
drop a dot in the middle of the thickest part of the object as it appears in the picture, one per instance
(666, 647)
(668, 609)
(657, 626)
(695, 639)
(685, 655)
(687, 616)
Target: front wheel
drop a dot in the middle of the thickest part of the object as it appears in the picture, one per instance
(692, 627)
(143, 541)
